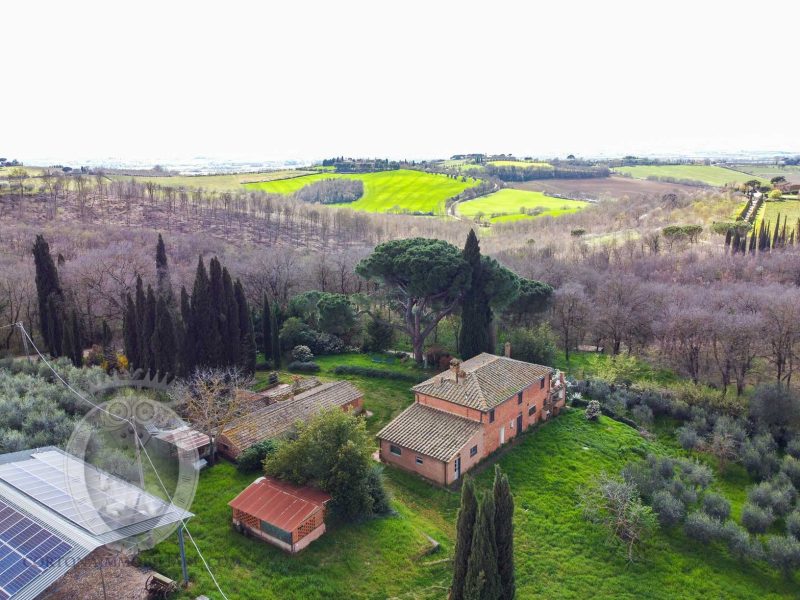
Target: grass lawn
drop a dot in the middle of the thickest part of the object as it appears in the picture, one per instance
(507, 203)
(558, 553)
(789, 209)
(386, 191)
(767, 172)
(218, 183)
(712, 175)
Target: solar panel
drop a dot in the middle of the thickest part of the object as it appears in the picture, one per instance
(81, 493)
(26, 550)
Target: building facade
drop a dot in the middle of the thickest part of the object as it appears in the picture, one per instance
(463, 415)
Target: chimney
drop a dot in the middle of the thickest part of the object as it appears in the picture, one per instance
(455, 367)
(507, 350)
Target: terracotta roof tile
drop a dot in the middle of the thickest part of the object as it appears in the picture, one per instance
(486, 381)
(429, 431)
(279, 503)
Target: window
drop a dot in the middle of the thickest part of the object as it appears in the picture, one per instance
(541, 383)
(519, 398)
(395, 450)
(531, 410)
(419, 460)
(473, 451)
(491, 416)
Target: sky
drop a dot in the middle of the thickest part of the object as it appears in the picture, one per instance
(304, 80)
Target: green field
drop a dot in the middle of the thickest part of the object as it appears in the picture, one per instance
(386, 191)
(506, 205)
(789, 209)
(711, 175)
(767, 172)
(219, 183)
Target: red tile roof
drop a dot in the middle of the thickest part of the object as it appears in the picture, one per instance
(282, 504)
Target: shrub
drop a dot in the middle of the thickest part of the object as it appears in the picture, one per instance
(643, 415)
(535, 346)
(793, 524)
(303, 367)
(696, 473)
(669, 509)
(378, 373)
(793, 447)
(699, 526)
(791, 469)
(302, 354)
(379, 337)
(783, 553)
(593, 410)
(296, 333)
(756, 519)
(687, 437)
(717, 506)
(252, 459)
(759, 457)
(774, 408)
(776, 495)
(739, 542)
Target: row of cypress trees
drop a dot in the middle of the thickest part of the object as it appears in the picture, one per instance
(210, 328)
(483, 565)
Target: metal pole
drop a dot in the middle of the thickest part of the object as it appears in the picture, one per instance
(21, 328)
(183, 556)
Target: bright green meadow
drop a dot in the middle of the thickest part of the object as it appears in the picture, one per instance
(507, 204)
(711, 175)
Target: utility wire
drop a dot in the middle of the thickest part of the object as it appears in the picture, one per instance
(136, 435)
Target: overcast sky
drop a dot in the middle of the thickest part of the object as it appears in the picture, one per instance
(284, 80)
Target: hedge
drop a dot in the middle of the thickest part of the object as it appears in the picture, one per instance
(378, 373)
(303, 367)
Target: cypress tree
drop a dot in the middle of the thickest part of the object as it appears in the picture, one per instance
(247, 339)
(149, 327)
(217, 312)
(140, 301)
(777, 232)
(77, 341)
(276, 343)
(266, 329)
(482, 580)
(728, 237)
(130, 337)
(187, 342)
(476, 314)
(229, 322)
(67, 345)
(465, 526)
(163, 283)
(504, 529)
(204, 331)
(105, 335)
(49, 295)
(163, 340)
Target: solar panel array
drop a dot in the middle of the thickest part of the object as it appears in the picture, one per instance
(26, 550)
(86, 496)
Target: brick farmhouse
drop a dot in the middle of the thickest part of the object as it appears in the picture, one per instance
(463, 415)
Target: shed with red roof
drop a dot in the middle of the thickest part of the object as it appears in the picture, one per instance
(285, 515)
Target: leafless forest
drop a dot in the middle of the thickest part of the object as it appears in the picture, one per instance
(719, 319)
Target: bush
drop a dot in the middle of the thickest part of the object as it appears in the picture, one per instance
(534, 346)
(295, 332)
(696, 473)
(793, 524)
(643, 415)
(593, 410)
(252, 459)
(687, 437)
(669, 509)
(699, 526)
(303, 367)
(378, 373)
(783, 553)
(776, 495)
(379, 336)
(756, 519)
(759, 457)
(302, 354)
(793, 447)
(739, 542)
(791, 469)
(717, 506)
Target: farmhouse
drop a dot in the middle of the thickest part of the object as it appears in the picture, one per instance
(285, 515)
(275, 420)
(461, 416)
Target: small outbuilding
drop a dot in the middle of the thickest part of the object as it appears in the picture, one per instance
(285, 515)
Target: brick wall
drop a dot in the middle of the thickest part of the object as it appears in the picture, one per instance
(505, 415)
(430, 468)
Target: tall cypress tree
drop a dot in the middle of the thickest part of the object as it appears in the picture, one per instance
(216, 291)
(67, 345)
(229, 322)
(149, 327)
(276, 343)
(247, 338)
(50, 296)
(482, 580)
(163, 283)
(77, 340)
(204, 325)
(187, 342)
(266, 329)
(465, 526)
(130, 335)
(504, 530)
(140, 301)
(476, 314)
(163, 340)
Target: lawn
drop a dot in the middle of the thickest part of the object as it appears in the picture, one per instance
(789, 209)
(558, 553)
(218, 183)
(711, 175)
(386, 191)
(507, 204)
